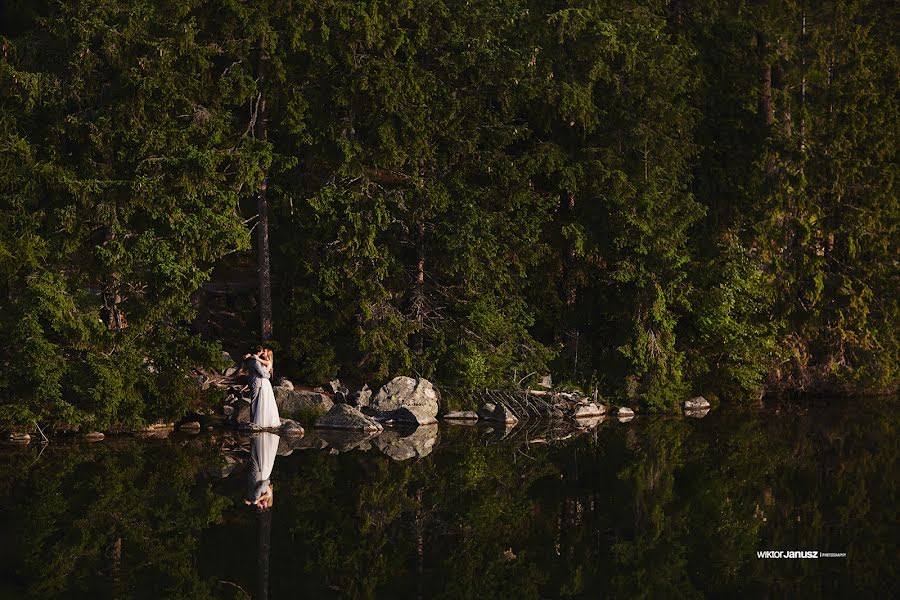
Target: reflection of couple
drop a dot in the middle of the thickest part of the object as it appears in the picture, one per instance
(263, 449)
(263, 409)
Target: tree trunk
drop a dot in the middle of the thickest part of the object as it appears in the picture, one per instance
(420, 285)
(262, 233)
(766, 105)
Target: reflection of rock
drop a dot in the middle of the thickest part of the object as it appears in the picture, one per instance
(231, 464)
(590, 422)
(295, 404)
(344, 416)
(414, 415)
(345, 441)
(461, 415)
(502, 430)
(405, 392)
(696, 414)
(190, 427)
(589, 411)
(417, 444)
(698, 403)
(93, 436)
(287, 444)
(624, 412)
(497, 413)
(19, 438)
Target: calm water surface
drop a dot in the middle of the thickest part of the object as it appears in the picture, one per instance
(653, 508)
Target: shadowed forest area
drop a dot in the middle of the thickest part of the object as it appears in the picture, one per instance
(651, 198)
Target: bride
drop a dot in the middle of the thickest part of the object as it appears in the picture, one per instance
(264, 409)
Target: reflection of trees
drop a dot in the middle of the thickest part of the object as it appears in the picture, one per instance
(655, 508)
(100, 518)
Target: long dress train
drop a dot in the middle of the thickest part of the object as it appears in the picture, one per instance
(266, 413)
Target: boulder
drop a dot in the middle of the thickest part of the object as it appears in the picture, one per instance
(297, 404)
(497, 413)
(93, 436)
(361, 398)
(286, 383)
(697, 403)
(589, 411)
(461, 415)
(242, 413)
(417, 444)
(414, 415)
(343, 416)
(190, 426)
(228, 410)
(230, 372)
(18, 438)
(291, 427)
(227, 361)
(624, 411)
(405, 392)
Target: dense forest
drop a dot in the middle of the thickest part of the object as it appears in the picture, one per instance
(648, 198)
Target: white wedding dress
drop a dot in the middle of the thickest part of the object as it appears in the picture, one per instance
(266, 410)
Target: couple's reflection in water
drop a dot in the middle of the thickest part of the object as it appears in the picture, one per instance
(261, 497)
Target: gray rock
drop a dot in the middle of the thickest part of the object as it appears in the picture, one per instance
(230, 372)
(497, 413)
(190, 426)
(296, 404)
(227, 410)
(363, 397)
(242, 414)
(291, 427)
(93, 436)
(343, 416)
(405, 392)
(286, 383)
(461, 415)
(546, 382)
(417, 444)
(698, 403)
(624, 411)
(227, 361)
(335, 385)
(589, 411)
(416, 415)
(18, 438)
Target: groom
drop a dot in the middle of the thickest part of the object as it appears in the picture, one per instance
(256, 372)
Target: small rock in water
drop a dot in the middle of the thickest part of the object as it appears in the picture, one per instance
(190, 426)
(93, 436)
(461, 415)
(624, 414)
(697, 403)
(497, 413)
(19, 438)
(291, 427)
(589, 410)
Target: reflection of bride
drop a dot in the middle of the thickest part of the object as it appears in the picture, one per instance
(264, 447)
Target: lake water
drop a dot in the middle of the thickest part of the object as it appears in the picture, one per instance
(658, 507)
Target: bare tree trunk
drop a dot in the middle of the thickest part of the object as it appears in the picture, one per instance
(419, 300)
(262, 227)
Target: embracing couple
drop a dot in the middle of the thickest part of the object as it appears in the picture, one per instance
(263, 409)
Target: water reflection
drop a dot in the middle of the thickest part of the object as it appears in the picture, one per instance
(263, 449)
(660, 507)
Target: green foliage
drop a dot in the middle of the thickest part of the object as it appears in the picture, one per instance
(651, 197)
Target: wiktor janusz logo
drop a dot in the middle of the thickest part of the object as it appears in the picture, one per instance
(787, 554)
